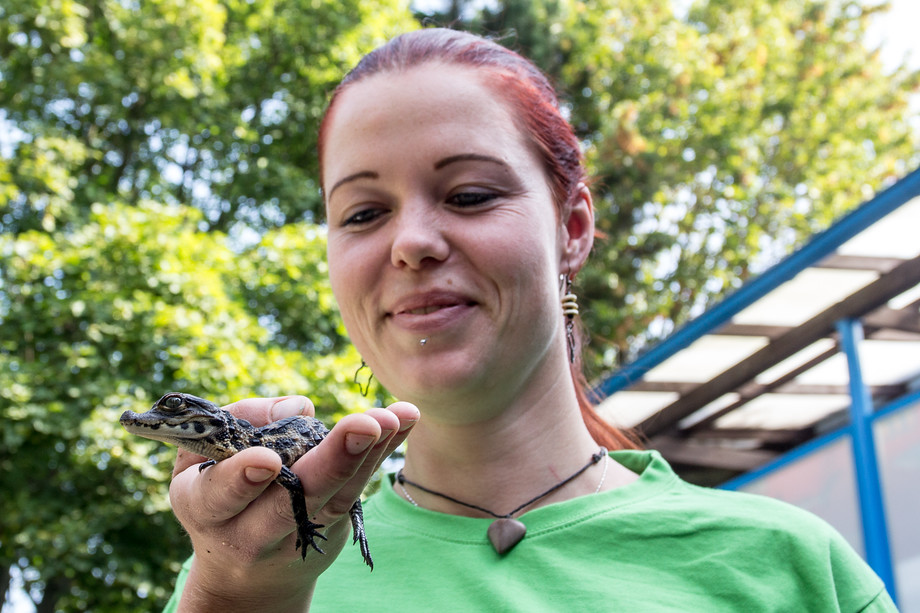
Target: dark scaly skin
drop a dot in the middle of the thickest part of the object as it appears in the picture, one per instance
(200, 426)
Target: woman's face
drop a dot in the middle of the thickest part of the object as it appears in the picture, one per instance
(444, 246)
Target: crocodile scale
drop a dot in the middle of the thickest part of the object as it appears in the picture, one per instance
(200, 426)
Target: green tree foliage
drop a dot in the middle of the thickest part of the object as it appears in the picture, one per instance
(202, 102)
(148, 245)
(136, 302)
(718, 140)
(159, 209)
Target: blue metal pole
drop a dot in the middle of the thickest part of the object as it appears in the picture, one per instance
(871, 501)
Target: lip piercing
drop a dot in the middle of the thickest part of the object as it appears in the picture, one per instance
(423, 341)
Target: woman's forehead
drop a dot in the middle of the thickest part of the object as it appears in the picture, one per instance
(436, 106)
(427, 89)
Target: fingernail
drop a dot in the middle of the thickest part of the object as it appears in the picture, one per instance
(289, 407)
(258, 475)
(406, 424)
(358, 443)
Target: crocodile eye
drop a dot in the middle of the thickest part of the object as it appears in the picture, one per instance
(173, 402)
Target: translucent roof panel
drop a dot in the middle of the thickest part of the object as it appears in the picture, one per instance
(809, 293)
(796, 360)
(706, 358)
(883, 363)
(905, 299)
(894, 236)
(763, 371)
(723, 401)
(782, 411)
(626, 409)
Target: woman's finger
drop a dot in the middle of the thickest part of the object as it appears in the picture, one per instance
(337, 471)
(228, 502)
(222, 491)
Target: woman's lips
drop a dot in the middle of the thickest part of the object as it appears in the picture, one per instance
(426, 313)
(426, 310)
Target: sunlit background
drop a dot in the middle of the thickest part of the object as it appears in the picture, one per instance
(896, 32)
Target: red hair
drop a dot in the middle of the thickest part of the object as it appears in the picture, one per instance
(532, 99)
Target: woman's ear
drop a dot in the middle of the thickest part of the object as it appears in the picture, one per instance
(577, 230)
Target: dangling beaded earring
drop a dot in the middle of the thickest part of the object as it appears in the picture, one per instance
(569, 310)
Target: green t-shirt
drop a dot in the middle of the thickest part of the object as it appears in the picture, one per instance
(658, 544)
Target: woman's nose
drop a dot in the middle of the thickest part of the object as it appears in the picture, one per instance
(419, 237)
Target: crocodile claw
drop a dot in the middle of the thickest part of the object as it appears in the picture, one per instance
(357, 525)
(306, 535)
(306, 530)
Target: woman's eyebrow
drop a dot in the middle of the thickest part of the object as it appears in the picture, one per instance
(453, 159)
(364, 174)
(466, 157)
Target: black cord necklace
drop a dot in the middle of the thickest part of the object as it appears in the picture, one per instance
(505, 532)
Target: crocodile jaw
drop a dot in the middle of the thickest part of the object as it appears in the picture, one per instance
(182, 434)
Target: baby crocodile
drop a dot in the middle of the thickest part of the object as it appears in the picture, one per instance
(200, 426)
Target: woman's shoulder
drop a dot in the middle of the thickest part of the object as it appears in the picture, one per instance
(712, 509)
(658, 531)
(755, 535)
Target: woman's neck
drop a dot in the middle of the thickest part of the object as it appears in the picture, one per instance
(500, 462)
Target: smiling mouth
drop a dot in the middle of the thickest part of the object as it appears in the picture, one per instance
(436, 314)
(434, 309)
(429, 309)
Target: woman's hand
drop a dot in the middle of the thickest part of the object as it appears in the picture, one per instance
(243, 530)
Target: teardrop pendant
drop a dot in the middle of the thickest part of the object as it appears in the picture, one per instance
(505, 533)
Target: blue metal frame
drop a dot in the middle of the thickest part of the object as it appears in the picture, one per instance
(873, 518)
(820, 246)
(865, 459)
(789, 457)
(871, 500)
(897, 404)
(816, 444)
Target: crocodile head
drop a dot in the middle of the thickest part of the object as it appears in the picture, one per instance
(180, 419)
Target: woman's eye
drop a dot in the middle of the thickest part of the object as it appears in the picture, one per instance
(362, 217)
(464, 199)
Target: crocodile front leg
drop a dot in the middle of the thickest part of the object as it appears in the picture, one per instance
(306, 530)
(357, 525)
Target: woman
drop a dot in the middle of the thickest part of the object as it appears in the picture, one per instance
(457, 213)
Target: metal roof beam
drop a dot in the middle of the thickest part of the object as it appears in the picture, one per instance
(820, 247)
(904, 320)
(751, 390)
(887, 391)
(679, 451)
(859, 262)
(822, 325)
(786, 437)
(771, 332)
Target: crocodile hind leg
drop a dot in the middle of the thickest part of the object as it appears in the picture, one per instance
(306, 530)
(357, 526)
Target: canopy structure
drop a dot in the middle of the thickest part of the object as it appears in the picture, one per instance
(769, 368)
